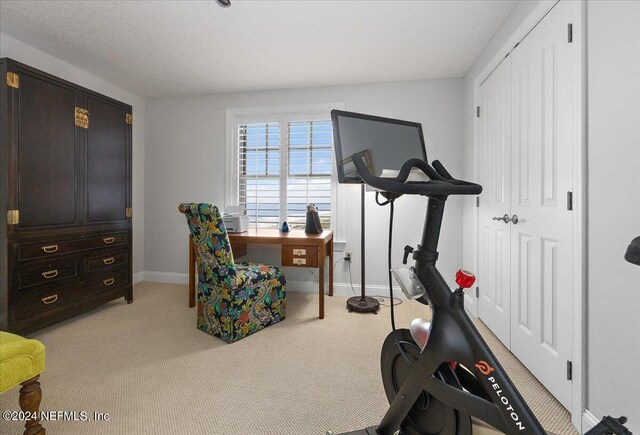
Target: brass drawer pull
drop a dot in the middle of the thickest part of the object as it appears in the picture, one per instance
(50, 249)
(299, 252)
(50, 299)
(108, 281)
(109, 240)
(299, 261)
(109, 260)
(50, 274)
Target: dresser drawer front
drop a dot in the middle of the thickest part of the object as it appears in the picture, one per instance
(27, 252)
(107, 280)
(46, 273)
(46, 300)
(299, 256)
(106, 260)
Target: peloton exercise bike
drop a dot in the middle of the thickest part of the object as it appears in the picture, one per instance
(438, 374)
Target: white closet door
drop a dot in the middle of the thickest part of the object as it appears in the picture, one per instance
(541, 176)
(494, 304)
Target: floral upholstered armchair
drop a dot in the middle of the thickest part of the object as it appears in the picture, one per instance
(234, 300)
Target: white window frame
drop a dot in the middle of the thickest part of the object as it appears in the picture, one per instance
(282, 115)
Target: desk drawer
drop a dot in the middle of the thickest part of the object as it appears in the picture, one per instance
(299, 256)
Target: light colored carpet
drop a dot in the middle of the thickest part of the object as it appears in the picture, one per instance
(148, 366)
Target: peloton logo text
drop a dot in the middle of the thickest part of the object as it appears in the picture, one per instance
(486, 369)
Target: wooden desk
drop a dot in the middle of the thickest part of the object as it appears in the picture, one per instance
(298, 250)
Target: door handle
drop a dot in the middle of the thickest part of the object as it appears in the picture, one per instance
(504, 218)
(515, 219)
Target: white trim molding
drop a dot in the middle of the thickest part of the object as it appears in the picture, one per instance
(138, 277)
(589, 421)
(166, 277)
(311, 286)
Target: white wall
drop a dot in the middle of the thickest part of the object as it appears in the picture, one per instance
(613, 37)
(186, 162)
(14, 49)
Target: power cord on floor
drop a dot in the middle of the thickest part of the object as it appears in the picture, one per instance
(381, 299)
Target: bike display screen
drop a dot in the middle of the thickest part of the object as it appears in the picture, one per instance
(384, 144)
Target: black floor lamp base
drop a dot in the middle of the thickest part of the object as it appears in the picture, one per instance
(363, 304)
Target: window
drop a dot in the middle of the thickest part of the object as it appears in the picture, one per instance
(283, 163)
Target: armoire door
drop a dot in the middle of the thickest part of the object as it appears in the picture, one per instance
(44, 152)
(108, 162)
(542, 173)
(494, 304)
(525, 274)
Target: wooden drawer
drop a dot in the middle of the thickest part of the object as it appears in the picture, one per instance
(299, 256)
(45, 300)
(107, 280)
(46, 272)
(105, 259)
(27, 252)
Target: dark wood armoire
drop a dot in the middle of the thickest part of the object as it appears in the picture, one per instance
(65, 156)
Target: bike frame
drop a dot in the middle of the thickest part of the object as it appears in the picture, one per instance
(454, 337)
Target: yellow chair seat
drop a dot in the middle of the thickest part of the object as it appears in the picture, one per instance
(20, 359)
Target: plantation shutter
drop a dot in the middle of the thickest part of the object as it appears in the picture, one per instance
(310, 162)
(283, 164)
(259, 173)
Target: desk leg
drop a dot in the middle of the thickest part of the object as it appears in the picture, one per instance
(321, 259)
(192, 273)
(330, 247)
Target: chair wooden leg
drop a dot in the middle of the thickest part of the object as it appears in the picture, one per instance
(30, 396)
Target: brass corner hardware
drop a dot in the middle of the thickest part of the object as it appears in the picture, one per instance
(128, 118)
(13, 217)
(82, 117)
(13, 80)
(128, 212)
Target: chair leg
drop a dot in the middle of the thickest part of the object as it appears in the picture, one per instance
(30, 396)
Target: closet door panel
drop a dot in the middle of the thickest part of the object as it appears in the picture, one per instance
(541, 334)
(107, 162)
(47, 146)
(494, 305)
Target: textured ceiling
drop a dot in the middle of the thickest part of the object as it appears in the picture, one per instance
(167, 48)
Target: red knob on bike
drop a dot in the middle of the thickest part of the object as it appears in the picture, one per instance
(464, 278)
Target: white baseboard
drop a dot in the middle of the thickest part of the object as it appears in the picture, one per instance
(138, 277)
(588, 421)
(343, 289)
(166, 277)
(339, 288)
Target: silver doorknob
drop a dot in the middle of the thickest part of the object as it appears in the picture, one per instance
(504, 218)
(514, 219)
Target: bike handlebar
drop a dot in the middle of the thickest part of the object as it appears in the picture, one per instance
(441, 182)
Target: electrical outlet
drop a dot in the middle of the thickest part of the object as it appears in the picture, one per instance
(347, 255)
